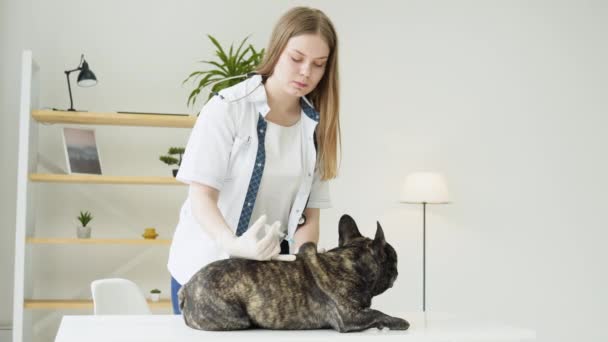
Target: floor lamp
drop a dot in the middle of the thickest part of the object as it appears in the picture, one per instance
(424, 188)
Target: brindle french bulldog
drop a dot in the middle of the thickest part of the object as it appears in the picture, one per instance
(318, 290)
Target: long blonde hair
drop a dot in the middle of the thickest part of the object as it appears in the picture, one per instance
(325, 97)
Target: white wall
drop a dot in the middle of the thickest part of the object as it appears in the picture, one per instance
(503, 97)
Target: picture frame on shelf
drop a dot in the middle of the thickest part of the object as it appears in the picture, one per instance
(81, 152)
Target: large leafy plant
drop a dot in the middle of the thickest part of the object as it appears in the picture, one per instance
(233, 63)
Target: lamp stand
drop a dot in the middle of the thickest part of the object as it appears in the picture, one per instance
(423, 256)
(67, 75)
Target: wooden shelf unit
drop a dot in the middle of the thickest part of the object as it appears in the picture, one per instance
(55, 304)
(102, 179)
(30, 119)
(113, 119)
(95, 241)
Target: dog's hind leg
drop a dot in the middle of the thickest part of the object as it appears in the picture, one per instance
(216, 315)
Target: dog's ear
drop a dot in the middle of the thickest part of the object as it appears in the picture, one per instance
(379, 240)
(348, 230)
(181, 296)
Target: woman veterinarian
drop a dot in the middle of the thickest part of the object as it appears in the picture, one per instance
(263, 151)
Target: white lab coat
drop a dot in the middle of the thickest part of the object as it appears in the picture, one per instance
(221, 153)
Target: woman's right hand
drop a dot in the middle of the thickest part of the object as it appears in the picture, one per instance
(247, 245)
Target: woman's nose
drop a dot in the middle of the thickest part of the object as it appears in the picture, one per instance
(305, 71)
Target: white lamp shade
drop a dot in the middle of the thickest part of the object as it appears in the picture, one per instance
(424, 187)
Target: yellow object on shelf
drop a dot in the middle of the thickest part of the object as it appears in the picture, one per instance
(149, 233)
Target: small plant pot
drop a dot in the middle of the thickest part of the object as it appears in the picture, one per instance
(175, 172)
(83, 232)
(154, 297)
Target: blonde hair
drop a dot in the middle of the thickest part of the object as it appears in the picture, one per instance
(325, 97)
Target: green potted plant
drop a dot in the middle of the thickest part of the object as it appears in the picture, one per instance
(233, 63)
(155, 295)
(83, 231)
(169, 160)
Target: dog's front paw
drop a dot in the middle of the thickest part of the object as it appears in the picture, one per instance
(394, 323)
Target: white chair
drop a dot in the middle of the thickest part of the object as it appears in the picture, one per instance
(118, 297)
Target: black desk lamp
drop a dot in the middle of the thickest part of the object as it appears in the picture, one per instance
(86, 78)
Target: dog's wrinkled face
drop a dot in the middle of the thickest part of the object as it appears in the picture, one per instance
(382, 264)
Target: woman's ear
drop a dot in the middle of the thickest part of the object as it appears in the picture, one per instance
(347, 229)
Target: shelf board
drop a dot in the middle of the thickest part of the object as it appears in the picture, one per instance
(80, 304)
(101, 179)
(76, 241)
(115, 119)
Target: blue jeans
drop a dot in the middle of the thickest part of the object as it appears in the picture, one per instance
(175, 286)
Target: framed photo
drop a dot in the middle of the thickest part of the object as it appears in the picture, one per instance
(81, 152)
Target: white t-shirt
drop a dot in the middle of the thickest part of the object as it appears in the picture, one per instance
(283, 173)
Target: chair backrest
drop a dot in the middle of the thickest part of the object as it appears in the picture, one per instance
(117, 296)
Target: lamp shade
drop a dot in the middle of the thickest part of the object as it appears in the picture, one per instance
(424, 187)
(86, 78)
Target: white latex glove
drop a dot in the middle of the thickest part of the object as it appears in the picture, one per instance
(284, 257)
(275, 229)
(248, 246)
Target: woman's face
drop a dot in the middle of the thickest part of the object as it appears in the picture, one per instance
(302, 64)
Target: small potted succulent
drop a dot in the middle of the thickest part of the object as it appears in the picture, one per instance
(170, 160)
(83, 231)
(155, 295)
